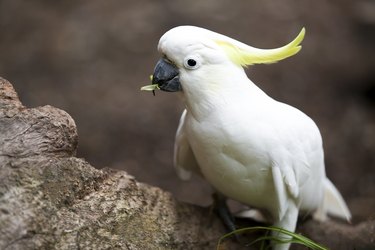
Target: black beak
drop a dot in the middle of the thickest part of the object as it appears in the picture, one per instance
(166, 76)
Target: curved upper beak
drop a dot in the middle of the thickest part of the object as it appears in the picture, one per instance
(166, 76)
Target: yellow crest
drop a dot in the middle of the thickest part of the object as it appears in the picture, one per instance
(247, 55)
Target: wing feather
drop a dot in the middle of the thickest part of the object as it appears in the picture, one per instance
(184, 160)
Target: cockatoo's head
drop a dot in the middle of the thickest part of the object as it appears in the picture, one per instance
(191, 54)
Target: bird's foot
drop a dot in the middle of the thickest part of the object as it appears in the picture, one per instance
(221, 208)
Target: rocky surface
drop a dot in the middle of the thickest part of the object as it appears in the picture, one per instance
(49, 199)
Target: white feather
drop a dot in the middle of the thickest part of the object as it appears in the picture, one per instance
(333, 204)
(184, 159)
(248, 146)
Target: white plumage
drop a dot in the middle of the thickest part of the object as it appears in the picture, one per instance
(248, 146)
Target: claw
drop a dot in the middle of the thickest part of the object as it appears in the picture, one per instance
(221, 208)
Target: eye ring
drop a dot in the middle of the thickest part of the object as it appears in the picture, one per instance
(191, 62)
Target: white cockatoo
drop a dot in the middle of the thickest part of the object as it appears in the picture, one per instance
(248, 146)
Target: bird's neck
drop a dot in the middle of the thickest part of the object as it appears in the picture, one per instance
(223, 91)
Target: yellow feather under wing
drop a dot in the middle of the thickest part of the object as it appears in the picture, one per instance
(249, 55)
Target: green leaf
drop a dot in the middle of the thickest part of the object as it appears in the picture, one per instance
(294, 237)
(151, 87)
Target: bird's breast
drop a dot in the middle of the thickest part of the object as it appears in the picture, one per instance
(231, 163)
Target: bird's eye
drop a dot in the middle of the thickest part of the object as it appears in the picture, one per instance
(191, 63)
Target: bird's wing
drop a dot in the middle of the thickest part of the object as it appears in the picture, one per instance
(284, 181)
(289, 172)
(286, 187)
(280, 190)
(184, 159)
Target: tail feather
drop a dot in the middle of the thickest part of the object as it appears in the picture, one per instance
(333, 203)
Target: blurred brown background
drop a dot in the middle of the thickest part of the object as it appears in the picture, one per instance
(91, 57)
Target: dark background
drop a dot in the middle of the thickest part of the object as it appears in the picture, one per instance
(91, 57)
